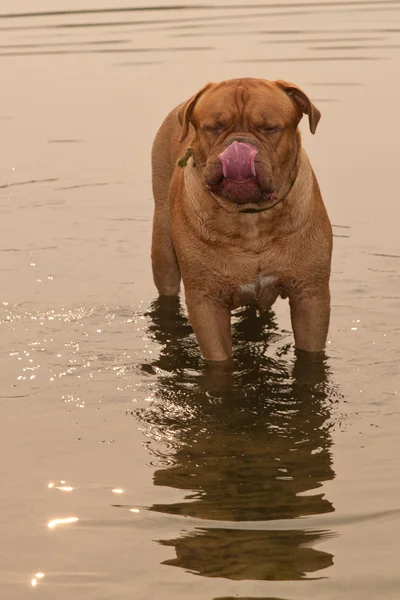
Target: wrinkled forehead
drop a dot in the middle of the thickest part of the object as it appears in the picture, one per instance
(261, 99)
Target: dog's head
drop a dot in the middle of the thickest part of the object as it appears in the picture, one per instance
(246, 141)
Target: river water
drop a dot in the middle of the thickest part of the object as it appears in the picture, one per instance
(128, 470)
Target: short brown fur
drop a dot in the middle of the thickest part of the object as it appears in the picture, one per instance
(227, 257)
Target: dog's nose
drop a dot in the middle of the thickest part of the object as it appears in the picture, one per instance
(241, 139)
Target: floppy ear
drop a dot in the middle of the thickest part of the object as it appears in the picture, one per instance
(186, 110)
(303, 102)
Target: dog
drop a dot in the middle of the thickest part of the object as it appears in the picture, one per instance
(241, 218)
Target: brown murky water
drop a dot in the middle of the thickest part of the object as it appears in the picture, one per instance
(127, 470)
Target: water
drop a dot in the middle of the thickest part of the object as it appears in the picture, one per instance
(128, 470)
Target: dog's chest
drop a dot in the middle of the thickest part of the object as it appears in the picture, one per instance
(262, 291)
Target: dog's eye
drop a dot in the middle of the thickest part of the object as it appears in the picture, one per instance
(213, 128)
(268, 128)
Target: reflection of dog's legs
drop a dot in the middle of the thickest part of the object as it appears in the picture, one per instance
(211, 321)
(310, 320)
(310, 370)
(166, 273)
(217, 377)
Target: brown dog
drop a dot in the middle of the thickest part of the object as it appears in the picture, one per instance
(243, 222)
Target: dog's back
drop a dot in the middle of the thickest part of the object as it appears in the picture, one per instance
(166, 151)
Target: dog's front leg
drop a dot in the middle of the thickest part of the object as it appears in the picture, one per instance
(211, 322)
(310, 315)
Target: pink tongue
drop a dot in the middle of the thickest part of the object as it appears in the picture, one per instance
(238, 161)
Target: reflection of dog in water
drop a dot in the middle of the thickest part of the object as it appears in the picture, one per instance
(248, 445)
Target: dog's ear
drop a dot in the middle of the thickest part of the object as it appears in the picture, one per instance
(303, 102)
(186, 110)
